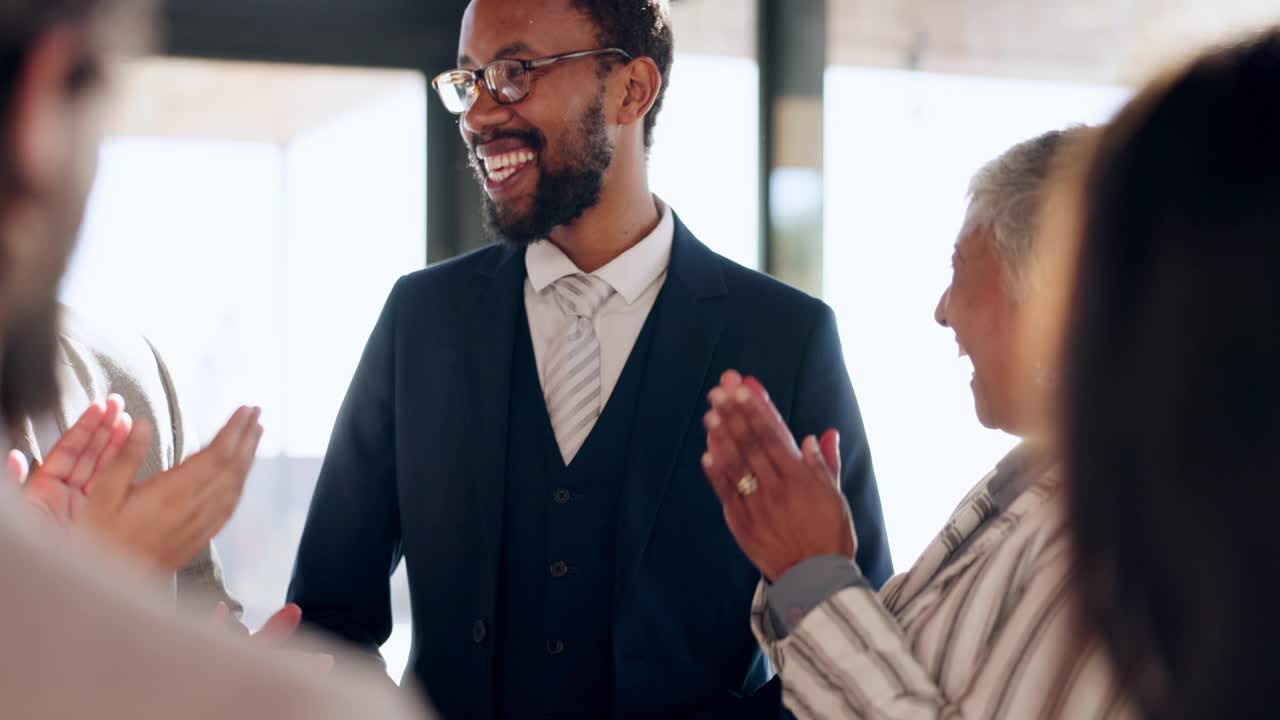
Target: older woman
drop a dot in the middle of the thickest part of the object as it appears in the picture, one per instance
(979, 627)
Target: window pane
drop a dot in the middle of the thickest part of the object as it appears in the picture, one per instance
(250, 220)
(705, 159)
(900, 150)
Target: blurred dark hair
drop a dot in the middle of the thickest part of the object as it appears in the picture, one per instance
(643, 29)
(29, 341)
(23, 21)
(1172, 389)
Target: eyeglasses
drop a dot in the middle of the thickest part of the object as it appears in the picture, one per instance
(506, 80)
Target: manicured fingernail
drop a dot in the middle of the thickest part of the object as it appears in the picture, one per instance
(713, 420)
(743, 395)
(718, 396)
(707, 460)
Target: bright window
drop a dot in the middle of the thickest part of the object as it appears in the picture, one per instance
(706, 165)
(250, 221)
(900, 150)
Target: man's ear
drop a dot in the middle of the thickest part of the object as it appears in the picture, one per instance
(39, 122)
(643, 83)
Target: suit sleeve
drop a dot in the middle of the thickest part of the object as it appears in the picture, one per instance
(200, 585)
(824, 399)
(351, 542)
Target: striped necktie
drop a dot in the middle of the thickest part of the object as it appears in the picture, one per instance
(572, 387)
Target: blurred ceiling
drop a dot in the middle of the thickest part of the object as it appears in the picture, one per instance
(244, 101)
(274, 102)
(1101, 41)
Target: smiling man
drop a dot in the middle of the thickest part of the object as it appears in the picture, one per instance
(524, 427)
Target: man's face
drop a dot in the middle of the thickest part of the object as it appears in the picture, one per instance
(55, 130)
(542, 161)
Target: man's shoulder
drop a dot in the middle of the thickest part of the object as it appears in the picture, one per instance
(763, 297)
(744, 285)
(459, 271)
(768, 289)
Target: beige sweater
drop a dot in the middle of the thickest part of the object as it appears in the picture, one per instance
(93, 364)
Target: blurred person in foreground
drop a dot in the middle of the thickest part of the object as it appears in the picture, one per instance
(980, 627)
(1172, 389)
(81, 636)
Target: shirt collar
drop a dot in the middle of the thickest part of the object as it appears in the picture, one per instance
(629, 274)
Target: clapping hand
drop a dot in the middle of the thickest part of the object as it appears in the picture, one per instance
(168, 518)
(277, 631)
(60, 485)
(86, 482)
(781, 502)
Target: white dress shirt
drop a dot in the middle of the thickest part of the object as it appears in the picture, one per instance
(636, 277)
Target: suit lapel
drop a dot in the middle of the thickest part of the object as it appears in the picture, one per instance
(688, 317)
(489, 337)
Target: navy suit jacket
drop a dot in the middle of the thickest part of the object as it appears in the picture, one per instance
(415, 471)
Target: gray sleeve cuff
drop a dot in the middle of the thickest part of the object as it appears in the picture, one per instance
(805, 587)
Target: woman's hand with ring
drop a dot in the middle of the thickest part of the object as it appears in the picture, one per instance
(781, 502)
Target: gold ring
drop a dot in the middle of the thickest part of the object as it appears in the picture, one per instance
(748, 484)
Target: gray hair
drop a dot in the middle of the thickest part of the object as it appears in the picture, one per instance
(1005, 198)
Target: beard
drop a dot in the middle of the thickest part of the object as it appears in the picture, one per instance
(563, 193)
(28, 382)
(33, 259)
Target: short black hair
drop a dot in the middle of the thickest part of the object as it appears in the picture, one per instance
(643, 29)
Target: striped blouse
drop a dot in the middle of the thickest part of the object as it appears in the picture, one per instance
(981, 627)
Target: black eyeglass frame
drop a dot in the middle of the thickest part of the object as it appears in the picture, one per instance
(485, 78)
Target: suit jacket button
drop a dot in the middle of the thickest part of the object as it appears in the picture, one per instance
(555, 647)
(562, 496)
(479, 631)
(559, 569)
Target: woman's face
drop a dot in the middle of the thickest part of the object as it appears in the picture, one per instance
(984, 315)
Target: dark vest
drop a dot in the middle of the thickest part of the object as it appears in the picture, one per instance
(555, 603)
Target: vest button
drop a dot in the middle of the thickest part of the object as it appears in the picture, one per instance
(555, 647)
(479, 631)
(562, 496)
(559, 569)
